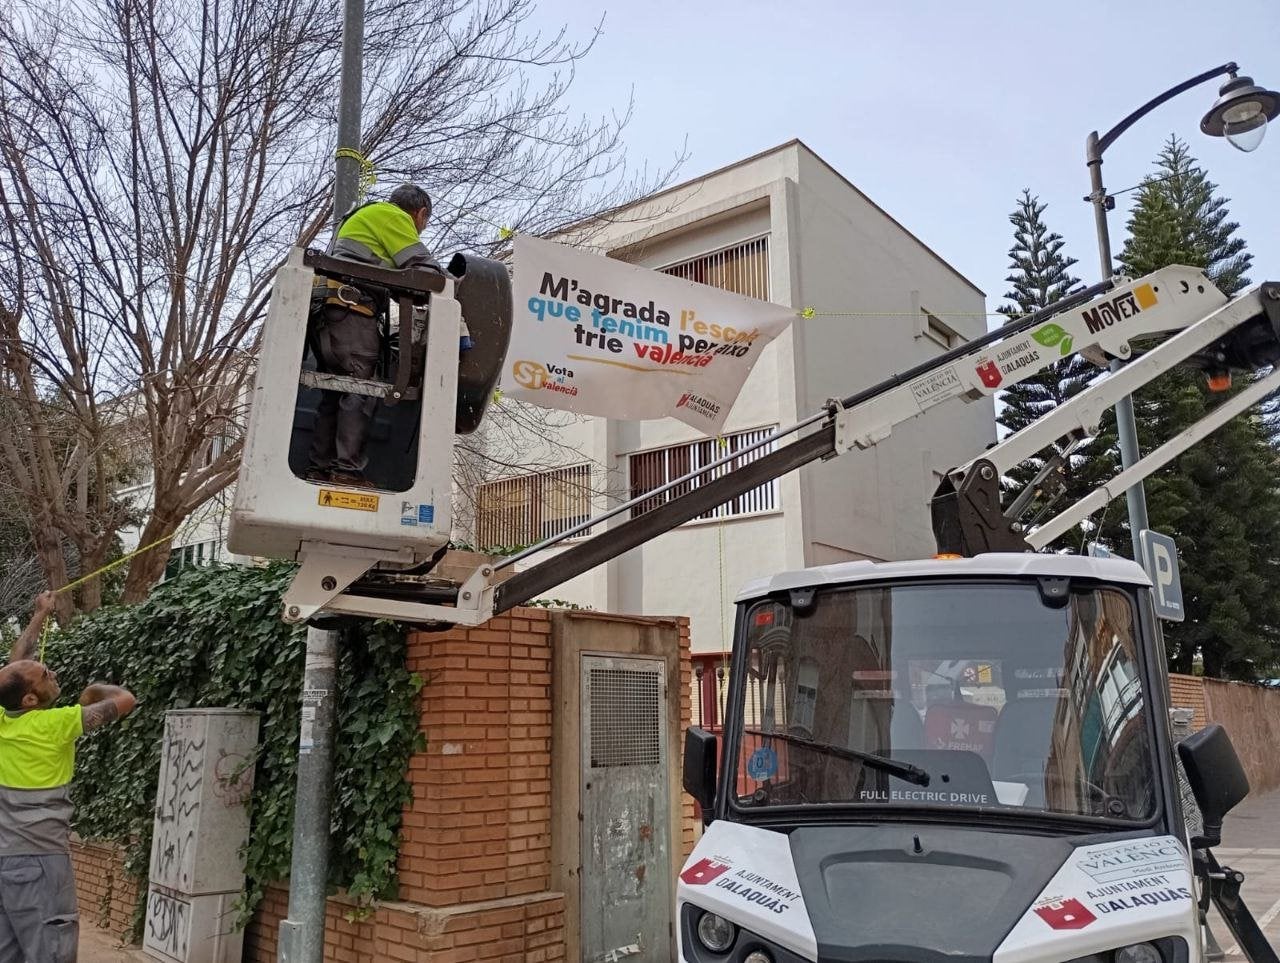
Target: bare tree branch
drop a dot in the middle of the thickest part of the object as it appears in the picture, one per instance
(157, 161)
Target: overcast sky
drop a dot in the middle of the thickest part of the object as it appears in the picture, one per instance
(942, 111)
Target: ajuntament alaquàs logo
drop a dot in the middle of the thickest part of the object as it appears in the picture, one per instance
(1013, 356)
(537, 376)
(704, 406)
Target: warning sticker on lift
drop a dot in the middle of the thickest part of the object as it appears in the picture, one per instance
(411, 514)
(358, 501)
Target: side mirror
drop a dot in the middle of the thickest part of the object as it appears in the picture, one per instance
(700, 767)
(1217, 779)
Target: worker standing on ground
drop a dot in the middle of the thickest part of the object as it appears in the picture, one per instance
(345, 326)
(39, 921)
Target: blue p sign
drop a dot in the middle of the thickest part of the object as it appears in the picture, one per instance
(1160, 559)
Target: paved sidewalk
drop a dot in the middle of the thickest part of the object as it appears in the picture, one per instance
(99, 946)
(1251, 844)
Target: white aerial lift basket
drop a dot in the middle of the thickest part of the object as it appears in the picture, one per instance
(340, 532)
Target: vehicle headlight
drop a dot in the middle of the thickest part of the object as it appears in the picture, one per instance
(758, 956)
(1138, 953)
(717, 934)
(1167, 949)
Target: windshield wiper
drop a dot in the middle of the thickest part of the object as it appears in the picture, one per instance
(895, 767)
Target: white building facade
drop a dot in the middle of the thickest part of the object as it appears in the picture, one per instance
(785, 227)
(201, 539)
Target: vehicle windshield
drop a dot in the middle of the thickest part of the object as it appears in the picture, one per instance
(1003, 700)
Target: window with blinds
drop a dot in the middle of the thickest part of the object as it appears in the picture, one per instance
(652, 469)
(530, 508)
(195, 555)
(742, 269)
(941, 332)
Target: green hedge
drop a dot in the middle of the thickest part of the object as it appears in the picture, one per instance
(213, 637)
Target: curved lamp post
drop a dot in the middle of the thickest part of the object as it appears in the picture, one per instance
(1240, 114)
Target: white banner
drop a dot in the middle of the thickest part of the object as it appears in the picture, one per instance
(602, 337)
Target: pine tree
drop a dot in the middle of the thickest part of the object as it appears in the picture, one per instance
(1178, 219)
(1221, 499)
(1041, 275)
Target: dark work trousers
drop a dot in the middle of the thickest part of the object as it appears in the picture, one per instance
(347, 343)
(39, 923)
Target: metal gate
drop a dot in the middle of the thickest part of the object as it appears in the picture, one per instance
(626, 896)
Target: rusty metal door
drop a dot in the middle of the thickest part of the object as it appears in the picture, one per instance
(626, 894)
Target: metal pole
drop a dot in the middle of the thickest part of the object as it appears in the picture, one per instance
(302, 930)
(350, 100)
(1126, 423)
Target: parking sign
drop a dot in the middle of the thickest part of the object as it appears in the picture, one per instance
(1160, 559)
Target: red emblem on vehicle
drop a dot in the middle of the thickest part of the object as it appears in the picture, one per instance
(703, 871)
(1067, 914)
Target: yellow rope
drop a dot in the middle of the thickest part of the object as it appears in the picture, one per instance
(505, 233)
(368, 176)
(44, 632)
(811, 312)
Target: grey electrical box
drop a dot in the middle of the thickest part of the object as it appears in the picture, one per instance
(201, 824)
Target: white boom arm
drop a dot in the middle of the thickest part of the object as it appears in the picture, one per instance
(1176, 300)
(1079, 418)
(1064, 521)
(1171, 299)
(1083, 413)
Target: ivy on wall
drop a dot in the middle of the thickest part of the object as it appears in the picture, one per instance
(213, 637)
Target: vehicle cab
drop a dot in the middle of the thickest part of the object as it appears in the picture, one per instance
(959, 759)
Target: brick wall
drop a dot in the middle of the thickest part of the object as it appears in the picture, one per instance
(1249, 713)
(522, 928)
(343, 940)
(476, 848)
(1251, 716)
(1187, 692)
(475, 862)
(107, 896)
(475, 859)
(479, 826)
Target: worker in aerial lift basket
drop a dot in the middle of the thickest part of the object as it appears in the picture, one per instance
(345, 331)
(39, 919)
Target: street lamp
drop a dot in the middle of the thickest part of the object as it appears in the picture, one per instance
(1240, 114)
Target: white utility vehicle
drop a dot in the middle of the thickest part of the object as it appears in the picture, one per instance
(966, 758)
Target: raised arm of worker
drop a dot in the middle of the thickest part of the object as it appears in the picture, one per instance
(25, 647)
(103, 704)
